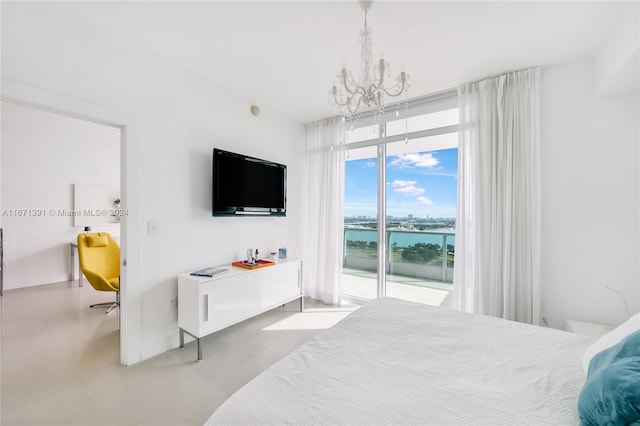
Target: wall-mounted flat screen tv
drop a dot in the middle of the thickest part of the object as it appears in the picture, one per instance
(248, 186)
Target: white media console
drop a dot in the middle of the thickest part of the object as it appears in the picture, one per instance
(209, 304)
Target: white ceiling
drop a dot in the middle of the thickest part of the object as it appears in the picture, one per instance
(284, 55)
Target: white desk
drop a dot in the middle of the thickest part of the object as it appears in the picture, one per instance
(72, 276)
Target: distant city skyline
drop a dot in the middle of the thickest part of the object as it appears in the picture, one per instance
(400, 218)
(418, 184)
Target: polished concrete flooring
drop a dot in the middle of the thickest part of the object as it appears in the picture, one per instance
(60, 363)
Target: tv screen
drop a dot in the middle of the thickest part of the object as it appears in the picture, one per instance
(248, 186)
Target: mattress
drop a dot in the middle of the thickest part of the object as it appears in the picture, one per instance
(398, 362)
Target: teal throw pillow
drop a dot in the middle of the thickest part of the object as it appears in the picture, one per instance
(611, 394)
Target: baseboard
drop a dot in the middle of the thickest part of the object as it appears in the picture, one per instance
(12, 284)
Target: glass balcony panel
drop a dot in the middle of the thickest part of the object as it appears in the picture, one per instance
(417, 269)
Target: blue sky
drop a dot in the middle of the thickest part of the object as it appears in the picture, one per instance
(422, 183)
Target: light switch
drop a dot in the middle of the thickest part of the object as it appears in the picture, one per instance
(152, 227)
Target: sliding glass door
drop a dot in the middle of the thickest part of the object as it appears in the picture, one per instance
(360, 263)
(411, 184)
(421, 203)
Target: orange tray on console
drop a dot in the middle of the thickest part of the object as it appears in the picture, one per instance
(246, 265)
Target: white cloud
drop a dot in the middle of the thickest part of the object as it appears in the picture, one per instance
(370, 163)
(415, 159)
(407, 187)
(424, 200)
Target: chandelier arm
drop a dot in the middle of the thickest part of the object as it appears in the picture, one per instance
(357, 106)
(400, 91)
(360, 90)
(357, 89)
(335, 98)
(343, 80)
(346, 87)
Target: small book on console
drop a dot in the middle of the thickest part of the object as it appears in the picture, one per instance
(208, 272)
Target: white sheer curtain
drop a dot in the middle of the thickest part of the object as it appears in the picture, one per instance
(496, 268)
(325, 210)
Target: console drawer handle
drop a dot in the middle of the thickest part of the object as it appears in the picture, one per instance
(205, 307)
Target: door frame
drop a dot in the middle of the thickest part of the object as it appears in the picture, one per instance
(130, 294)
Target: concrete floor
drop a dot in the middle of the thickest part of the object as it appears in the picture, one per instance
(60, 361)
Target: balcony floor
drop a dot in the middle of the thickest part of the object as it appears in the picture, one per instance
(362, 284)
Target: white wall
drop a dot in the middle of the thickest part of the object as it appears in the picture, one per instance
(43, 156)
(618, 59)
(590, 198)
(180, 118)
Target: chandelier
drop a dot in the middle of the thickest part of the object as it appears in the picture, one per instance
(369, 92)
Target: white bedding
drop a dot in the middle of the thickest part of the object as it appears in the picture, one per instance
(398, 362)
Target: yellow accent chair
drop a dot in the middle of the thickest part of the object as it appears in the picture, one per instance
(99, 256)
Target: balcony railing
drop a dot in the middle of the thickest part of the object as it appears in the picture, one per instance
(421, 254)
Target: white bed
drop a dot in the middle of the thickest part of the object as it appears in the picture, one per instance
(398, 362)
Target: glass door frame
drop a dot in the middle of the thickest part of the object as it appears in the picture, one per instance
(382, 216)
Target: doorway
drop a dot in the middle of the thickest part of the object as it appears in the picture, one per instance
(52, 166)
(45, 158)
